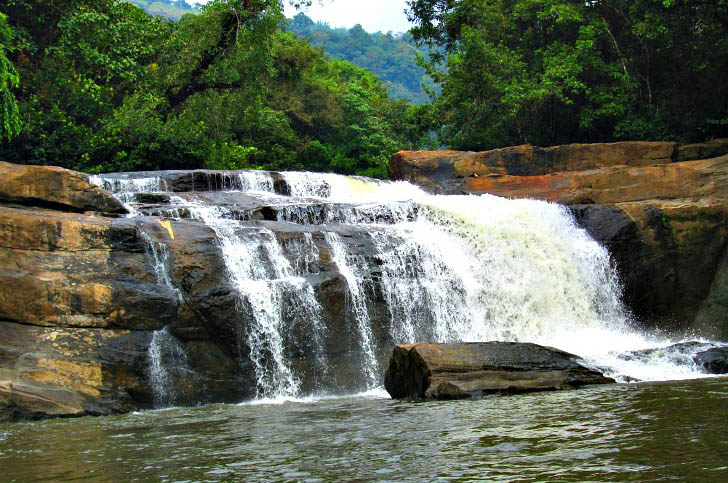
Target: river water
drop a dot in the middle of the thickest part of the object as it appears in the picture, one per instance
(654, 431)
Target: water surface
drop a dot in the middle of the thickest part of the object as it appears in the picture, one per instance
(654, 431)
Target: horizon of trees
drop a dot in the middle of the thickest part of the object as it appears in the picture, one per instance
(101, 85)
(104, 86)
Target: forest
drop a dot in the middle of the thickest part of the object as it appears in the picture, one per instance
(393, 57)
(101, 85)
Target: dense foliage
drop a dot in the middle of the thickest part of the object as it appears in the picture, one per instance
(392, 57)
(101, 85)
(557, 71)
(104, 86)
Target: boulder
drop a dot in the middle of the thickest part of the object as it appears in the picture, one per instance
(714, 360)
(53, 187)
(464, 370)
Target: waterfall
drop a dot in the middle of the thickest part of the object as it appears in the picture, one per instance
(358, 305)
(167, 365)
(331, 270)
(272, 297)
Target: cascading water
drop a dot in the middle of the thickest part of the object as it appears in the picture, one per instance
(167, 364)
(446, 268)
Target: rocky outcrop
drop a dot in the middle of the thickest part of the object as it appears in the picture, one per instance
(464, 370)
(53, 187)
(524, 169)
(81, 297)
(660, 208)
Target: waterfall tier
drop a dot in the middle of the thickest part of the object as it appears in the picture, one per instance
(324, 273)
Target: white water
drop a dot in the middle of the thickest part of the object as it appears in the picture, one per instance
(167, 362)
(271, 293)
(452, 268)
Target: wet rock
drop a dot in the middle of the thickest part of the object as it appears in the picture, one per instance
(714, 360)
(53, 187)
(464, 370)
(681, 353)
(660, 208)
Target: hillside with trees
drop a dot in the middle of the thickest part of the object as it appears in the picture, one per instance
(172, 9)
(391, 56)
(101, 85)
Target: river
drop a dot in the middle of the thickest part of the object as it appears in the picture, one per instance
(652, 431)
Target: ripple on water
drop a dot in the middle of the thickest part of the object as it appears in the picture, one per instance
(646, 432)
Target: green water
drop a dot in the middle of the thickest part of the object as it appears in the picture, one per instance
(630, 432)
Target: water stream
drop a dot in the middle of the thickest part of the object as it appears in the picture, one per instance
(446, 268)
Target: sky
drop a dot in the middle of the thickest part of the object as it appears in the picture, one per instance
(373, 15)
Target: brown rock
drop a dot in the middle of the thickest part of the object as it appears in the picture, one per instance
(53, 187)
(437, 170)
(686, 180)
(60, 371)
(463, 370)
(708, 149)
(71, 270)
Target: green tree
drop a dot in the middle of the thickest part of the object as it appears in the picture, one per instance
(10, 121)
(554, 71)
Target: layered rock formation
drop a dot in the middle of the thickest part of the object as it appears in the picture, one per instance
(464, 370)
(81, 299)
(660, 207)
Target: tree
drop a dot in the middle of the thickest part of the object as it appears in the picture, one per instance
(10, 121)
(555, 71)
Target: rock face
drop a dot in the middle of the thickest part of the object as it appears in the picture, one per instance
(661, 209)
(80, 301)
(84, 309)
(464, 370)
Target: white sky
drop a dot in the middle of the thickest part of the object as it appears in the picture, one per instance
(373, 15)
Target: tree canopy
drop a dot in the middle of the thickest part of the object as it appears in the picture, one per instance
(106, 86)
(555, 71)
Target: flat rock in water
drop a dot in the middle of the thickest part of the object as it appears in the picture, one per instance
(464, 370)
